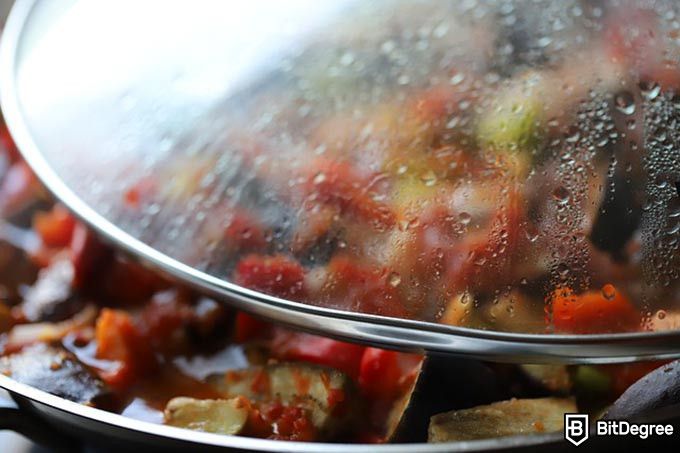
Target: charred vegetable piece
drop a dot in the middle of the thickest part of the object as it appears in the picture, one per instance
(51, 296)
(16, 268)
(504, 418)
(328, 394)
(212, 416)
(55, 370)
(655, 391)
(437, 389)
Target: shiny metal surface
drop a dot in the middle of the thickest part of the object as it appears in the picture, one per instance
(370, 329)
(112, 430)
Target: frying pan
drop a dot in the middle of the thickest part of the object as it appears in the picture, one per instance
(63, 424)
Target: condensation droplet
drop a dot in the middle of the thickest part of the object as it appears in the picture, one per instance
(394, 279)
(650, 90)
(609, 291)
(562, 269)
(624, 102)
(561, 195)
(319, 178)
(429, 178)
(464, 218)
(573, 135)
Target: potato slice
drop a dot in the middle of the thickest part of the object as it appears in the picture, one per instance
(504, 418)
(212, 416)
(329, 395)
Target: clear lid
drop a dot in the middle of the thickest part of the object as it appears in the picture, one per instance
(502, 165)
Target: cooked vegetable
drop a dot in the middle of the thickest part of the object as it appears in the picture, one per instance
(51, 297)
(329, 395)
(505, 418)
(25, 334)
(212, 416)
(120, 341)
(513, 121)
(438, 389)
(655, 391)
(607, 310)
(54, 370)
(297, 346)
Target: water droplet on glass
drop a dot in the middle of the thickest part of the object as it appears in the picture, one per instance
(464, 218)
(561, 195)
(394, 279)
(429, 178)
(562, 270)
(624, 102)
(609, 291)
(650, 90)
(573, 135)
(661, 314)
(675, 100)
(347, 59)
(457, 79)
(319, 178)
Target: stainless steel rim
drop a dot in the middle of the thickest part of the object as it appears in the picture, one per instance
(369, 329)
(247, 443)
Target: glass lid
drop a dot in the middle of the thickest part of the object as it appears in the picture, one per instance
(500, 166)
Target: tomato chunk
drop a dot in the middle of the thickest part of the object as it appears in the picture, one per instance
(276, 275)
(248, 328)
(603, 311)
(55, 227)
(88, 254)
(119, 341)
(384, 373)
(303, 347)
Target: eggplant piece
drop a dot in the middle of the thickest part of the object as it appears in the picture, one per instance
(213, 416)
(500, 419)
(51, 297)
(619, 216)
(443, 384)
(16, 267)
(655, 392)
(57, 371)
(329, 395)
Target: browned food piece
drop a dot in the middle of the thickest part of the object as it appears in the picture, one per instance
(51, 297)
(47, 332)
(655, 392)
(328, 395)
(227, 416)
(16, 268)
(438, 389)
(56, 371)
(504, 418)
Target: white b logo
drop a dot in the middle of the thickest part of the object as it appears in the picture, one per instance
(576, 428)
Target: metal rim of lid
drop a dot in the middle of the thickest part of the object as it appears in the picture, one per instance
(393, 333)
